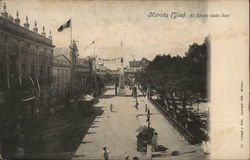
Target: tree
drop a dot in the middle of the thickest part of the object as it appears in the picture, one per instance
(180, 80)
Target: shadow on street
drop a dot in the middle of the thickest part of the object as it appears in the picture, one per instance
(62, 133)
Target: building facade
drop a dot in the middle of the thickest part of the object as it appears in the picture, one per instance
(72, 75)
(25, 72)
(137, 66)
(84, 75)
(64, 71)
(61, 77)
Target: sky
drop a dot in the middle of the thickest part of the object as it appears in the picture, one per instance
(110, 22)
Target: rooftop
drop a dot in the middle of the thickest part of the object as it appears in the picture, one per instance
(134, 64)
(9, 24)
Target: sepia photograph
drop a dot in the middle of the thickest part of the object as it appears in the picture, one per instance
(123, 80)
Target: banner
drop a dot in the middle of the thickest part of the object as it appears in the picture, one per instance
(102, 61)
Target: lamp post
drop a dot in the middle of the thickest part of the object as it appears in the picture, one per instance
(149, 135)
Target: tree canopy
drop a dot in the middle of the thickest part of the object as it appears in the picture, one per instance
(185, 77)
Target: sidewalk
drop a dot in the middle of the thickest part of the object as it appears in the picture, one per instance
(117, 131)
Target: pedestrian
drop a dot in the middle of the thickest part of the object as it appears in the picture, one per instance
(111, 107)
(105, 153)
(115, 89)
(126, 157)
(136, 106)
(155, 142)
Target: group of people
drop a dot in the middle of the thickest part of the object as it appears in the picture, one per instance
(106, 155)
(154, 149)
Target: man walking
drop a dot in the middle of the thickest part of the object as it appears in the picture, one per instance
(116, 85)
(111, 107)
(105, 153)
(155, 142)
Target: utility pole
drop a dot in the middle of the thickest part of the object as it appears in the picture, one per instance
(148, 118)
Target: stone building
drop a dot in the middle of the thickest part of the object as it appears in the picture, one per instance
(61, 75)
(25, 70)
(73, 58)
(84, 75)
(71, 74)
(64, 70)
(137, 66)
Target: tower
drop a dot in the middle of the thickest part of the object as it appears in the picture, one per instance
(122, 90)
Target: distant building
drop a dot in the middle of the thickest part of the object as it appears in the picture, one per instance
(83, 74)
(84, 65)
(61, 74)
(64, 70)
(136, 66)
(71, 74)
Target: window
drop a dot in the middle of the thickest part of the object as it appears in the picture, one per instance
(41, 70)
(12, 64)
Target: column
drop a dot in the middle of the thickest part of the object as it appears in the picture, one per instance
(19, 58)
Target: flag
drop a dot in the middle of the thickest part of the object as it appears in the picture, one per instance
(65, 26)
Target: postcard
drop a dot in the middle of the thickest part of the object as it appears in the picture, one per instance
(124, 80)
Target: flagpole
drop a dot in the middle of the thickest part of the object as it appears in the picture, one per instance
(71, 32)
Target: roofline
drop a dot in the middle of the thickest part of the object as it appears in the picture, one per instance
(63, 56)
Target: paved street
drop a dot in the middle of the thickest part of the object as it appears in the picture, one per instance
(117, 131)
